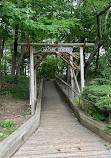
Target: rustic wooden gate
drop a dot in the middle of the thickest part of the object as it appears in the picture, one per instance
(64, 51)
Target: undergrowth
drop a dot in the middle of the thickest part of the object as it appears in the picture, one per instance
(98, 96)
(15, 87)
(6, 128)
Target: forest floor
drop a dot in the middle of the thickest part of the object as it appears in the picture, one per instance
(15, 107)
(12, 111)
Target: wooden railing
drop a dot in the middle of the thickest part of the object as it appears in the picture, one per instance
(69, 89)
(82, 101)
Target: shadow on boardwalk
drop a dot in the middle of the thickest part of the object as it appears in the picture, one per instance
(60, 135)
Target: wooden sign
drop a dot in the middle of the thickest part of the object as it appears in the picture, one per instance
(57, 49)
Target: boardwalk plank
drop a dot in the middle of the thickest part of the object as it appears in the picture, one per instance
(60, 135)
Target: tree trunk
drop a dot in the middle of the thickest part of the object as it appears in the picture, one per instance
(3, 44)
(20, 60)
(97, 46)
(68, 74)
(15, 51)
(90, 59)
(110, 116)
(0, 60)
(97, 61)
(22, 67)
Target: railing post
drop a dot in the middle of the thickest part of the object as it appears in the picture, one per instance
(35, 83)
(32, 97)
(82, 68)
(72, 77)
(82, 74)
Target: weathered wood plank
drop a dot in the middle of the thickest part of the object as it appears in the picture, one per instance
(58, 45)
(82, 68)
(60, 134)
(32, 81)
(36, 66)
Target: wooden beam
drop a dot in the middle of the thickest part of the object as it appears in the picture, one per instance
(59, 54)
(36, 66)
(59, 44)
(72, 77)
(70, 58)
(42, 53)
(32, 82)
(85, 41)
(76, 81)
(37, 52)
(35, 84)
(82, 68)
(75, 55)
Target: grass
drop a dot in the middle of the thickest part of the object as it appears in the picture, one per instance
(76, 100)
(15, 87)
(23, 113)
(6, 128)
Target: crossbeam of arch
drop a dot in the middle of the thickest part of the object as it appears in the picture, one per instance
(66, 56)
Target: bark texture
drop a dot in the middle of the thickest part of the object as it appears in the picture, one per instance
(98, 43)
(21, 61)
(0, 60)
(15, 51)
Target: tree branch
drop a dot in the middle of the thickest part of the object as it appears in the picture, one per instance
(103, 11)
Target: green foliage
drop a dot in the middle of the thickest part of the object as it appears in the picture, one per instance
(99, 95)
(23, 114)
(0, 114)
(97, 115)
(102, 81)
(2, 135)
(104, 69)
(98, 98)
(51, 66)
(9, 131)
(108, 128)
(76, 100)
(9, 127)
(15, 87)
(104, 103)
(7, 124)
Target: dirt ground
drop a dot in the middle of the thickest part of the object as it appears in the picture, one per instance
(12, 109)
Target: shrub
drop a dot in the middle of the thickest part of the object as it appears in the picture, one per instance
(99, 97)
(102, 81)
(15, 87)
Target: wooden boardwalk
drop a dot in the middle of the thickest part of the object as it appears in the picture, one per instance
(60, 135)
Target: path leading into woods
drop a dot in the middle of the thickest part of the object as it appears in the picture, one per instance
(60, 135)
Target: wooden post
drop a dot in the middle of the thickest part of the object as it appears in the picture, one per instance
(82, 67)
(32, 81)
(76, 81)
(30, 84)
(35, 79)
(72, 79)
(82, 74)
(30, 90)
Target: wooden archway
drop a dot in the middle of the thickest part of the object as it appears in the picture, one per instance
(67, 56)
